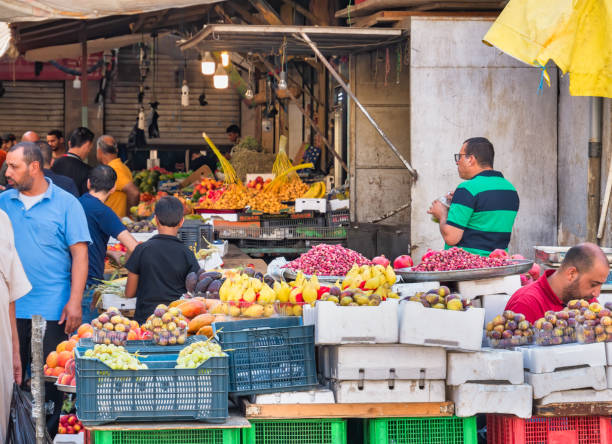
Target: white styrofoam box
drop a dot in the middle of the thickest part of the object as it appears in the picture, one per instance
(585, 395)
(609, 352)
(505, 284)
(486, 365)
(339, 204)
(335, 324)
(77, 438)
(385, 362)
(443, 328)
(609, 376)
(140, 237)
(548, 359)
(604, 297)
(574, 378)
(493, 304)
(472, 398)
(410, 289)
(348, 392)
(319, 205)
(112, 300)
(222, 246)
(316, 396)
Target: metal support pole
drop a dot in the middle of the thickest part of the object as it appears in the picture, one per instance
(361, 107)
(306, 116)
(84, 117)
(594, 168)
(38, 384)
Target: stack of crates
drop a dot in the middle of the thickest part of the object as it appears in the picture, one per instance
(439, 430)
(296, 431)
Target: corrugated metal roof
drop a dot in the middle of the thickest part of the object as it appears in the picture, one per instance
(268, 39)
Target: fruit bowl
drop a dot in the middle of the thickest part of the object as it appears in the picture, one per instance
(101, 336)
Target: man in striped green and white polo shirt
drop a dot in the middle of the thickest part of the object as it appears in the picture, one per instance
(483, 208)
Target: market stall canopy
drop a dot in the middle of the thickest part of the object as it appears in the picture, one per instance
(266, 39)
(22, 11)
(576, 35)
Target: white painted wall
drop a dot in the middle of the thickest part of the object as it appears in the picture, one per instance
(461, 88)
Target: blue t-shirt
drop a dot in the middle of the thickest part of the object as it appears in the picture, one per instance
(43, 236)
(103, 223)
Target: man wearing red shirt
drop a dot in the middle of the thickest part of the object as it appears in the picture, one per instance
(581, 274)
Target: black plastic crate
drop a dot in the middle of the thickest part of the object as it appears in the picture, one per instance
(195, 234)
(338, 218)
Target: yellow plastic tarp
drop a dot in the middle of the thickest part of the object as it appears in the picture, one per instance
(575, 34)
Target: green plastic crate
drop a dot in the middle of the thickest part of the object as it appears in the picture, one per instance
(295, 431)
(443, 430)
(171, 436)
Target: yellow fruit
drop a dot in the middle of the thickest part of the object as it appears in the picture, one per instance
(293, 294)
(282, 291)
(254, 311)
(268, 310)
(373, 283)
(256, 285)
(390, 275)
(249, 295)
(224, 290)
(454, 304)
(297, 310)
(222, 308)
(266, 295)
(234, 311)
(309, 294)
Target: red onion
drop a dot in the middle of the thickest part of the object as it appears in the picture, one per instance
(327, 260)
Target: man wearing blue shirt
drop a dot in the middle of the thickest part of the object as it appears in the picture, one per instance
(103, 223)
(51, 237)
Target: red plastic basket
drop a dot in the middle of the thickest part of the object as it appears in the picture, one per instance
(504, 429)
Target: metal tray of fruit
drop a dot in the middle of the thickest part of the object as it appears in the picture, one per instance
(66, 388)
(48, 378)
(291, 275)
(519, 266)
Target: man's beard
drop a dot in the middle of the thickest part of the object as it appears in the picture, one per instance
(571, 291)
(26, 185)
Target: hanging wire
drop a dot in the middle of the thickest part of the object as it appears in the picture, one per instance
(387, 65)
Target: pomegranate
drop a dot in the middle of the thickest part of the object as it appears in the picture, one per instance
(458, 259)
(381, 260)
(403, 261)
(327, 260)
(499, 253)
(534, 271)
(518, 257)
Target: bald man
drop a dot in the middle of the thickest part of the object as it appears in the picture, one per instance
(30, 136)
(582, 273)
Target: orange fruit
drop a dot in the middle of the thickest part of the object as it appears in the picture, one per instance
(52, 359)
(83, 329)
(64, 357)
(87, 334)
(61, 346)
(57, 371)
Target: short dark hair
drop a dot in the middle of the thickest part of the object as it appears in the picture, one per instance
(582, 256)
(80, 137)
(102, 178)
(46, 151)
(481, 149)
(9, 137)
(31, 152)
(105, 147)
(56, 133)
(233, 129)
(169, 211)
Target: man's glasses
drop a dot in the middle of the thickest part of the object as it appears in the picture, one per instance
(458, 156)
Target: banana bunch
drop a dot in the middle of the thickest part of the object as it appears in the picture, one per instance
(371, 278)
(316, 191)
(242, 295)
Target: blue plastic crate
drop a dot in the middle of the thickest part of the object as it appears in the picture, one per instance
(268, 355)
(147, 346)
(159, 393)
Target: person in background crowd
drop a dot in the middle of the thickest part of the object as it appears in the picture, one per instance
(483, 207)
(581, 274)
(8, 140)
(2, 153)
(233, 134)
(55, 139)
(30, 136)
(73, 163)
(309, 154)
(51, 238)
(158, 267)
(103, 224)
(126, 194)
(65, 183)
(13, 285)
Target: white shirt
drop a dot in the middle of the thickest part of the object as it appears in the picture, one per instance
(30, 201)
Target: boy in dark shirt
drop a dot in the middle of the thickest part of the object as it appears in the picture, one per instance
(158, 267)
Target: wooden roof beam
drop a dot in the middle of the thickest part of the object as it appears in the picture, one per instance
(267, 12)
(251, 19)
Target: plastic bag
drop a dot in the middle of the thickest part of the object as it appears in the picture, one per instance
(22, 427)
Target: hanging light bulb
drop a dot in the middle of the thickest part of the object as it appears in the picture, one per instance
(208, 64)
(76, 83)
(282, 82)
(248, 94)
(220, 79)
(224, 58)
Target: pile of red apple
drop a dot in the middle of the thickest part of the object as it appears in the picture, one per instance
(69, 425)
(68, 376)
